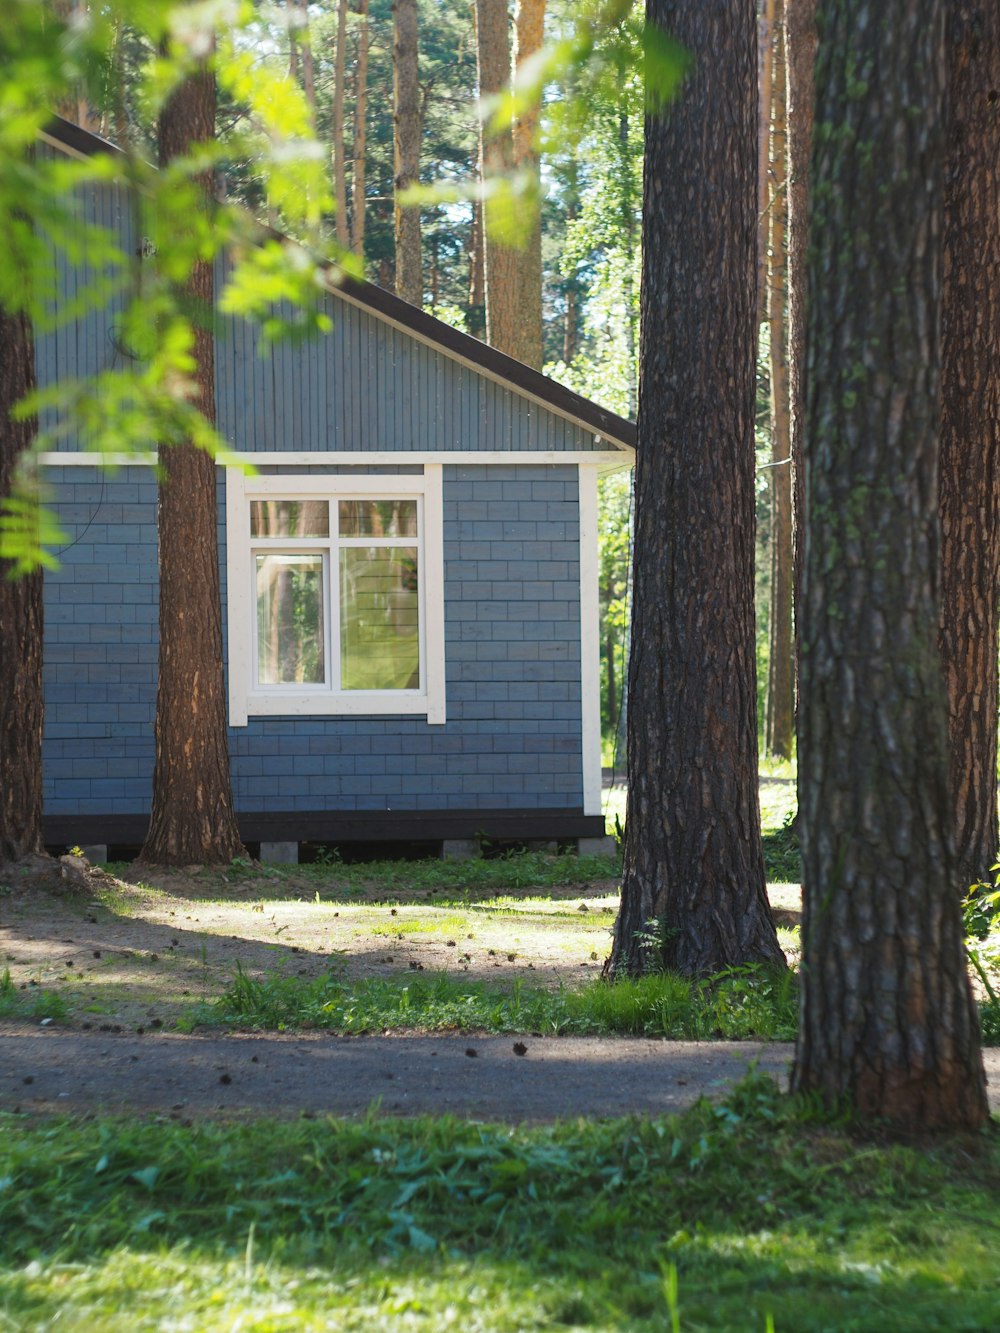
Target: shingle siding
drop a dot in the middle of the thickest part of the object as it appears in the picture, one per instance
(512, 739)
(512, 650)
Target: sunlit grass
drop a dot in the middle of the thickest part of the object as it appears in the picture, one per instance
(114, 1224)
(738, 1004)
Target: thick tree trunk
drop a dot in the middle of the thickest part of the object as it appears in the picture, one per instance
(693, 877)
(529, 25)
(407, 130)
(780, 721)
(800, 64)
(889, 1026)
(21, 622)
(358, 184)
(501, 262)
(969, 476)
(339, 146)
(192, 818)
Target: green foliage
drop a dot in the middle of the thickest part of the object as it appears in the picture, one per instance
(124, 407)
(736, 1004)
(782, 861)
(30, 1002)
(389, 1224)
(981, 916)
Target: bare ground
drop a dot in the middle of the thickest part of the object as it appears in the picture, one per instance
(135, 959)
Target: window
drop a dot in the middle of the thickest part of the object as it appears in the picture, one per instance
(335, 592)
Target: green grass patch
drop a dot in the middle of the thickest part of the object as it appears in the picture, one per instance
(782, 861)
(737, 1004)
(747, 1210)
(31, 1001)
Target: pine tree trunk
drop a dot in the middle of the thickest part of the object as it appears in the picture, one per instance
(308, 66)
(765, 65)
(969, 476)
(407, 123)
(339, 146)
(780, 727)
(501, 262)
(800, 63)
(476, 317)
(192, 819)
(889, 1027)
(21, 622)
(358, 185)
(693, 876)
(529, 25)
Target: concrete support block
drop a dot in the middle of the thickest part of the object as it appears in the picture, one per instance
(280, 853)
(460, 849)
(96, 852)
(605, 846)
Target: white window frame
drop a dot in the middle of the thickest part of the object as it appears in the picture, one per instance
(248, 699)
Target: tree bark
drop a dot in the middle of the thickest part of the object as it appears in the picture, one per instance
(21, 621)
(308, 66)
(693, 879)
(765, 65)
(800, 64)
(529, 26)
(969, 475)
(477, 274)
(406, 138)
(780, 719)
(501, 262)
(192, 820)
(339, 146)
(889, 1027)
(358, 183)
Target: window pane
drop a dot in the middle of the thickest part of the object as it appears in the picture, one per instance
(290, 601)
(379, 618)
(378, 518)
(289, 518)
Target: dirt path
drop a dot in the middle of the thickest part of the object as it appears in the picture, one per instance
(235, 1076)
(128, 962)
(486, 1078)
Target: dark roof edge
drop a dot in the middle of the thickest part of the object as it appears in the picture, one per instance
(494, 363)
(497, 365)
(79, 140)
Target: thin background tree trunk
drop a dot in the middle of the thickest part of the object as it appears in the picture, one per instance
(192, 819)
(765, 64)
(969, 479)
(339, 146)
(21, 621)
(889, 1027)
(308, 65)
(501, 262)
(800, 64)
(358, 185)
(529, 26)
(780, 719)
(693, 877)
(407, 129)
(477, 274)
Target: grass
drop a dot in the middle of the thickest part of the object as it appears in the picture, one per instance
(750, 1210)
(451, 881)
(30, 1001)
(739, 1004)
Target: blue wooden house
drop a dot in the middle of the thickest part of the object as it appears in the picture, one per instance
(409, 582)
